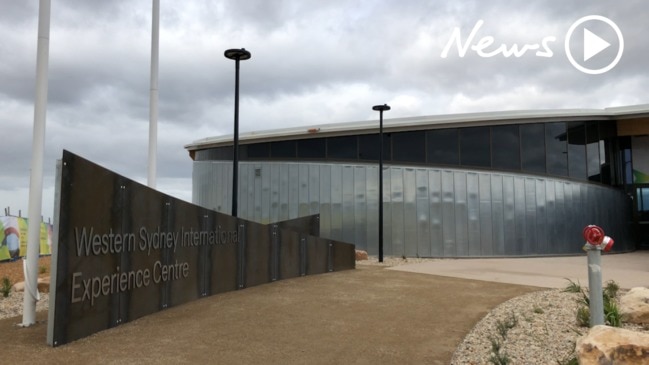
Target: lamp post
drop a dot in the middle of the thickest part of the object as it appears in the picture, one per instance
(381, 109)
(236, 55)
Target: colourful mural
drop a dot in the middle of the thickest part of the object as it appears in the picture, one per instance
(13, 238)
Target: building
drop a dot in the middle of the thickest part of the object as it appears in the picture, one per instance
(514, 183)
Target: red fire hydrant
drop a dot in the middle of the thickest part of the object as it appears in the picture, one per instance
(596, 241)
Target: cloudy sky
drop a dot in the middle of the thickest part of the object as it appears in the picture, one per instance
(313, 62)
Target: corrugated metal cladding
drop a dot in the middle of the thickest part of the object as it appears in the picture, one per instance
(428, 212)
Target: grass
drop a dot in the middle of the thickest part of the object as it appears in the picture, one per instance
(612, 315)
(42, 269)
(572, 287)
(5, 287)
(497, 357)
(504, 326)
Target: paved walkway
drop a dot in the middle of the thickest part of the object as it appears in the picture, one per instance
(628, 270)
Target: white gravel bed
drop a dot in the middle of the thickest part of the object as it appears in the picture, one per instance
(545, 332)
(12, 306)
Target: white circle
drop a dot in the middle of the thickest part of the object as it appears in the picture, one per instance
(619, 51)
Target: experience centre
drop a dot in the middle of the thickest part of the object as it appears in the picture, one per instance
(511, 183)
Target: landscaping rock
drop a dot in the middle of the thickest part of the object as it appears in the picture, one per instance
(43, 285)
(610, 345)
(634, 306)
(361, 255)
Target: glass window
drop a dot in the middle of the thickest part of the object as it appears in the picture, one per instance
(311, 148)
(608, 164)
(258, 150)
(474, 146)
(556, 150)
(505, 146)
(409, 146)
(216, 153)
(442, 147)
(593, 156)
(577, 149)
(342, 148)
(282, 149)
(533, 147)
(368, 147)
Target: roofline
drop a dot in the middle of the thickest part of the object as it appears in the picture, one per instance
(424, 122)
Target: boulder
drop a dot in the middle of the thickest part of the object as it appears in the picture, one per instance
(43, 285)
(634, 306)
(361, 255)
(611, 345)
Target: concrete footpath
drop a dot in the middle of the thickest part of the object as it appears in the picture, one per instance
(628, 270)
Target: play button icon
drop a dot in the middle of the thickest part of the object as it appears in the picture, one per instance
(594, 44)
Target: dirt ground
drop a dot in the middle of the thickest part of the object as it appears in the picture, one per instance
(14, 270)
(365, 316)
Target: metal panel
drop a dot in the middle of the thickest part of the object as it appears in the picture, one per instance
(284, 192)
(529, 243)
(498, 215)
(423, 214)
(303, 191)
(337, 202)
(265, 194)
(372, 188)
(436, 234)
(448, 214)
(387, 212)
(486, 224)
(473, 214)
(314, 189)
(348, 203)
(245, 193)
(541, 230)
(317, 256)
(461, 214)
(519, 215)
(293, 191)
(569, 220)
(560, 215)
(428, 212)
(325, 200)
(551, 216)
(274, 193)
(509, 215)
(360, 207)
(409, 213)
(396, 200)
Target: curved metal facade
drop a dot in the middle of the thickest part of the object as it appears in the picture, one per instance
(428, 211)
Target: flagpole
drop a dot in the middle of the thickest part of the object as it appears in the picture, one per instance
(153, 96)
(36, 175)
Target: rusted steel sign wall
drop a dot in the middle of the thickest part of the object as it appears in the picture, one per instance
(125, 250)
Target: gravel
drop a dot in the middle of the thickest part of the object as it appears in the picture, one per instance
(12, 306)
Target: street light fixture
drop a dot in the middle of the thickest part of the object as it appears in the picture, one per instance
(236, 55)
(381, 109)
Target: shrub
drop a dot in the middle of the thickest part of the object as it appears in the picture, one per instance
(5, 287)
(583, 316)
(611, 288)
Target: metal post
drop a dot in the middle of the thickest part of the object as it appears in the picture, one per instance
(153, 95)
(236, 55)
(381, 108)
(36, 176)
(595, 287)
